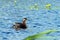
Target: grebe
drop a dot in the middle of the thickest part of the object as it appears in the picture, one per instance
(22, 25)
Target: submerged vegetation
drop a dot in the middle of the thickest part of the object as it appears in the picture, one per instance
(39, 35)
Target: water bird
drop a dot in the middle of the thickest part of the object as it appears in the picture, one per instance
(22, 25)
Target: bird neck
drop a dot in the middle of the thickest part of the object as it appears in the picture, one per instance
(24, 22)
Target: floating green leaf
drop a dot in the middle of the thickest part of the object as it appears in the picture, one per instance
(48, 6)
(34, 7)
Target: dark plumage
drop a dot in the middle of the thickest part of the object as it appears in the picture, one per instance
(22, 25)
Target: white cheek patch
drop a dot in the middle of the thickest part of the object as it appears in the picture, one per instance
(23, 19)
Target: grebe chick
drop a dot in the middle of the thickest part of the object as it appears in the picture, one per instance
(22, 25)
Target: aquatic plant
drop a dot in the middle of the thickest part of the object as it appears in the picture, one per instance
(48, 6)
(39, 35)
(34, 7)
